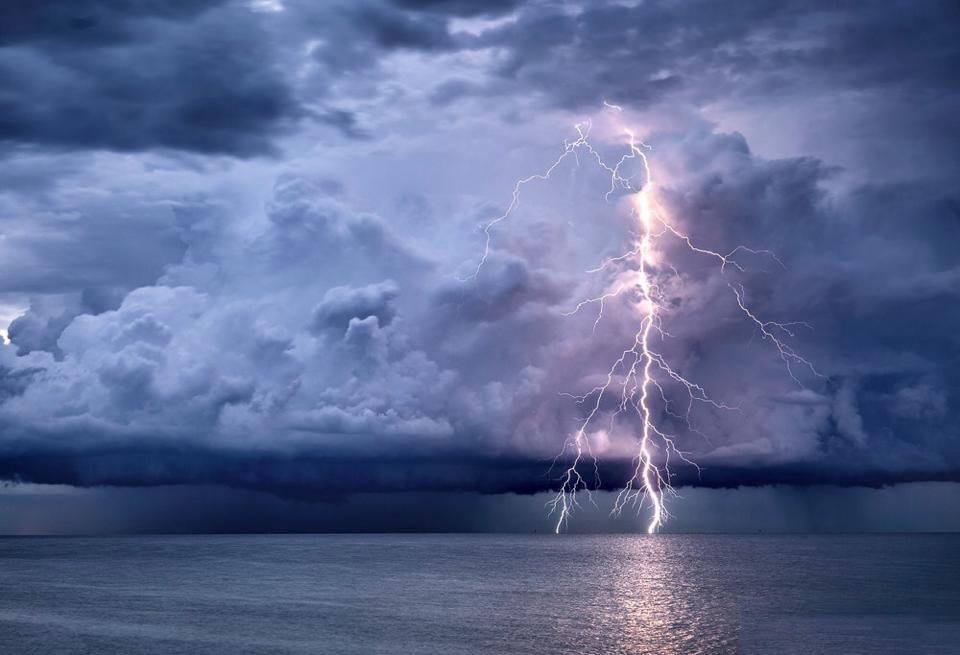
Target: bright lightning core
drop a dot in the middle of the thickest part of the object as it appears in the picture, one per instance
(641, 373)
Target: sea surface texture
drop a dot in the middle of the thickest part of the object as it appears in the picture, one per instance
(481, 594)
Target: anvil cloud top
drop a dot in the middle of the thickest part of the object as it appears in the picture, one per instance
(239, 240)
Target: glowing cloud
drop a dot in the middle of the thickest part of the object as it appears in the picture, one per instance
(639, 376)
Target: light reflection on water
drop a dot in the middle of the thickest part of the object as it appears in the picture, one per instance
(609, 595)
(651, 598)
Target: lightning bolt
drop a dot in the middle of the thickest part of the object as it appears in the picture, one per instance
(637, 378)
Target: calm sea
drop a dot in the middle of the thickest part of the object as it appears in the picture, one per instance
(479, 594)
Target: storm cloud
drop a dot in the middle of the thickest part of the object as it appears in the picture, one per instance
(238, 240)
(138, 76)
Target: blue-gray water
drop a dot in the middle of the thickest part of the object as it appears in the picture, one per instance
(670, 595)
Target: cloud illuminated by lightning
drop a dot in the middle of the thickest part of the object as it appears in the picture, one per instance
(639, 375)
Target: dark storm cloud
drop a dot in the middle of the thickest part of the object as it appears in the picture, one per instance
(459, 7)
(875, 287)
(141, 75)
(362, 369)
(313, 346)
(356, 37)
(319, 477)
(211, 77)
(71, 22)
(394, 30)
(656, 51)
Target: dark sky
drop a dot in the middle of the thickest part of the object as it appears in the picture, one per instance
(233, 236)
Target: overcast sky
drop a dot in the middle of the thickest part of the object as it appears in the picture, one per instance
(233, 237)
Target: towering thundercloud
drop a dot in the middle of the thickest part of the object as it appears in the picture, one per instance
(637, 381)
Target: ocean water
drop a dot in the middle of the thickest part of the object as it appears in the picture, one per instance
(481, 594)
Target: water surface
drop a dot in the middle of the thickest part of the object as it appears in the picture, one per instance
(453, 594)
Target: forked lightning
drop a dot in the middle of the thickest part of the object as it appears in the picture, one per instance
(639, 375)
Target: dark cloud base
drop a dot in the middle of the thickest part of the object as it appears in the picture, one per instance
(318, 477)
